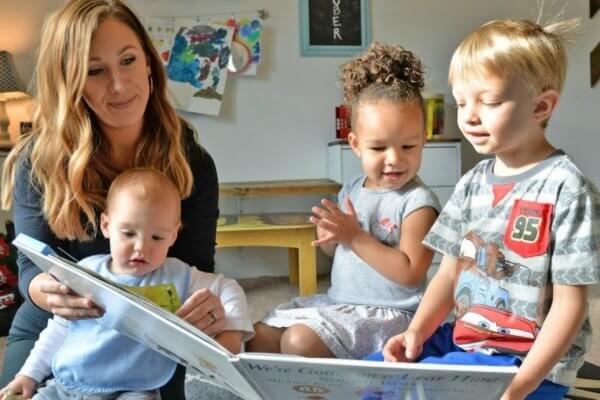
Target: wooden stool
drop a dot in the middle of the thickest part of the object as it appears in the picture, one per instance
(291, 230)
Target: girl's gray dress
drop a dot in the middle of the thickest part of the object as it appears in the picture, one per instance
(362, 309)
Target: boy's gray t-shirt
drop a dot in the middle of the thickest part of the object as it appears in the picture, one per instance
(380, 212)
(515, 237)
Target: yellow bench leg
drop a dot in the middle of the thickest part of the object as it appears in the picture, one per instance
(307, 260)
(293, 265)
(302, 257)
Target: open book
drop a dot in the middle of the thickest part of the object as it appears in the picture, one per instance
(257, 376)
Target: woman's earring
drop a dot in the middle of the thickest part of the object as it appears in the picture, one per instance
(151, 83)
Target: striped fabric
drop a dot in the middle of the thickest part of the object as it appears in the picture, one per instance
(513, 237)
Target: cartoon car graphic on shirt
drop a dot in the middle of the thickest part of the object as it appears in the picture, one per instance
(483, 269)
(491, 330)
(480, 290)
(482, 266)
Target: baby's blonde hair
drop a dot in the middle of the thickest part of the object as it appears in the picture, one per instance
(510, 48)
(147, 184)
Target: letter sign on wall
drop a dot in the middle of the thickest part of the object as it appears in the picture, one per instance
(334, 27)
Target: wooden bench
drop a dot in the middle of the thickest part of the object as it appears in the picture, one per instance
(279, 188)
(291, 230)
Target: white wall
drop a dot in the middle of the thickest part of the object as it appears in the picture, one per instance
(277, 125)
(283, 117)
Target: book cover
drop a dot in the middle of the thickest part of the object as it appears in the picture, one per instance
(256, 376)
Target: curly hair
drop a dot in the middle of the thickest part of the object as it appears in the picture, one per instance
(383, 72)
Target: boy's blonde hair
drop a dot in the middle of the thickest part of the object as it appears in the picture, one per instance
(509, 48)
(144, 183)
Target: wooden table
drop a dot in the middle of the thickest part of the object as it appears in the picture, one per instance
(291, 230)
(279, 188)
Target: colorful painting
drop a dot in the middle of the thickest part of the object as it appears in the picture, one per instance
(246, 47)
(162, 32)
(197, 67)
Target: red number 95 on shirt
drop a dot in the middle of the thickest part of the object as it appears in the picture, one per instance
(528, 229)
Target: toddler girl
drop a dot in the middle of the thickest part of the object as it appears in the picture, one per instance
(375, 233)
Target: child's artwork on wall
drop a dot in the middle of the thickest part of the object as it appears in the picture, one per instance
(197, 66)
(246, 46)
(198, 52)
(162, 32)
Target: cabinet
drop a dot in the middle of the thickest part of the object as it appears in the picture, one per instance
(440, 166)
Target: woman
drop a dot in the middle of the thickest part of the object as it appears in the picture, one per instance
(101, 108)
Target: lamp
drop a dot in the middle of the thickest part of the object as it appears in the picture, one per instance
(11, 88)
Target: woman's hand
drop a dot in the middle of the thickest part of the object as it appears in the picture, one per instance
(57, 298)
(22, 385)
(204, 310)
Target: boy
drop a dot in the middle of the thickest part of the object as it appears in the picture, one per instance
(141, 220)
(519, 234)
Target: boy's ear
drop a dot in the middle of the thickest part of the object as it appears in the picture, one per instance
(353, 142)
(175, 233)
(104, 220)
(545, 105)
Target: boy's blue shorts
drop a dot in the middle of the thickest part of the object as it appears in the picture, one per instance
(440, 349)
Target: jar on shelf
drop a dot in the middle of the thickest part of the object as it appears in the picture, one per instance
(434, 114)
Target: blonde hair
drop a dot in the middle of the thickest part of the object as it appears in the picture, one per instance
(70, 163)
(383, 72)
(144, 183)
(509, 48)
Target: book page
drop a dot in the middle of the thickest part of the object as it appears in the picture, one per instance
(291, 378)
(143, 321)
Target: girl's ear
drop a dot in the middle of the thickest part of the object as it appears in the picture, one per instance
(353, 142)
(545, 105)
(104, 221)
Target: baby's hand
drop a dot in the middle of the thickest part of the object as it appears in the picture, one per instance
(22, 387)
(405, 347)
(334, 225)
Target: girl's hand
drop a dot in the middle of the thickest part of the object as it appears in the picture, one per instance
(62, 301)
(205, 311)
(22, 385)
(334, 225)
(405, 347)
